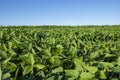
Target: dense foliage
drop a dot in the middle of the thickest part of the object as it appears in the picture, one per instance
(60, 53)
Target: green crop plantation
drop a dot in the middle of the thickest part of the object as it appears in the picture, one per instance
(60, 52)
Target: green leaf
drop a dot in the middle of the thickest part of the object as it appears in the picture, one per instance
(102, 75)
(92, 69)
(16, 73)
(4, 47)
(11, 66)
(9, 45)
(86, 76)
(51, 78)
(59, 49)
(52, 60)
(108, 55)
(71, 78)
(6, 75)
(83, 43)
(31, 57)
(3, 54)
(27, 70)
(57, 70)
(33, 51)
(12, 52)
(55, 77)
(5, 61)
(73, 51)
(39, 48)
(72, 73)
(30, 46)
(116, 70)
(17, 41)
(53, 41)
(28, 58)
(39, 66)
(25, 58)
(79, 63)
(57, 61)
(94, 55)
(107, 65)
(47, 52)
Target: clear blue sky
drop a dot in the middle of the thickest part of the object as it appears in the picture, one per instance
(59, 12)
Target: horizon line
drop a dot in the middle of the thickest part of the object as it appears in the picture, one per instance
(67, 25)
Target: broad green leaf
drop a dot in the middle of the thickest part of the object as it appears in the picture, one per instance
(27, 70)
(17, 41)
(116, 70)
(107, 50)
(92, 69)
(86, 76)
(57, 61)
(4, 47)
(102, 75)
(30, 46)
(31, 57)
(79, 63)
(55, 77)
(6, 76)
(28, 58)
(39, 48)
(12, 52)
(3, 54)
(57, 70)
(33, 51)
(108, 55)
(47, 52)
(25, 58)
(9, 45)
(59, 49)
(39, 66)
(107, 65)
(52, 60)
(51, 78)
(72, 73)
(83, 43)
(5, 61)
(73, 51)
(53, 41)
(12, 67)
(94, 55)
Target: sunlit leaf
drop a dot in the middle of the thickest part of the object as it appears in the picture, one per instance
(57, 70)
(72, 73)
(52, 60)
(31, 57)
(102, 75)
(27, 70)
(59, 49)
(39, 66)
(86, 76)
(6, 76)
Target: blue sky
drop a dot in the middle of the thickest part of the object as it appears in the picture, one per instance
(59, 12)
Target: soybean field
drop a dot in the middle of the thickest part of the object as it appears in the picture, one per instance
(60, 53)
